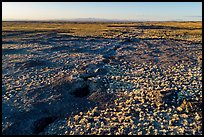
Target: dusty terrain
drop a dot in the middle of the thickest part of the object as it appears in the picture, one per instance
(102, 78)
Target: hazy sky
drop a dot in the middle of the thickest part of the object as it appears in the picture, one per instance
(107, 10)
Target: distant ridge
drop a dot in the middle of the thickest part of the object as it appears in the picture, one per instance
(93, 20)
(75, 20)
(101, 20)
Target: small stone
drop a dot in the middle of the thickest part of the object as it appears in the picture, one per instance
(117, 77)
(82, 121)
(114, 119)
(76, 117)
(179, 109)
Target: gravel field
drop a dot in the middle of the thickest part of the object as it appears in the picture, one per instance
(121, 81)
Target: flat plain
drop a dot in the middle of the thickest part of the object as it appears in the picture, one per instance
(75, 78)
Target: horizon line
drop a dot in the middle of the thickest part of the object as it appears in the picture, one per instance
(98, 20)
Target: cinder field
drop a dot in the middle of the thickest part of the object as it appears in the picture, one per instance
(80, 78)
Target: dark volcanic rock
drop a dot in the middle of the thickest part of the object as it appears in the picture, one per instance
(170, 97)
(42, 123)
(81, 92)
(110, 54)
(32, 63)
(14, 51)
